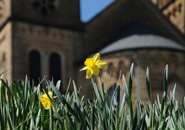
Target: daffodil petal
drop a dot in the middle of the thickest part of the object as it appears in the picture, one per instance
(43, 101)
(47, 104)
(96, 57)
(101, 64)
(55, 97)
(44, 96)
(50, 94)
(96, 70)
(85, 68)
(89, 73)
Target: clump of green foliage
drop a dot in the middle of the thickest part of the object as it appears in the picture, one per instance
(20, 108)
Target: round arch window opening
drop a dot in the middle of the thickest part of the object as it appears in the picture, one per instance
(45, 7)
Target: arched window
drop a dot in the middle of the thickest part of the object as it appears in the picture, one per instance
(111, 92)
(4, 57)
(180, 7)
(110, 68)
(120, 68)
(2, 62)
(34, 68)
(55, 67)
(174, 11)
(169, 15)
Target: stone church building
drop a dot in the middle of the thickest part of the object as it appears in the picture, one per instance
(46, 37)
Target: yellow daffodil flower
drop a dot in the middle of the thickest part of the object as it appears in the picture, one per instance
(46, 102)
(93, 65)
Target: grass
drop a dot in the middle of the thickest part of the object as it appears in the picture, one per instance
(20, 108)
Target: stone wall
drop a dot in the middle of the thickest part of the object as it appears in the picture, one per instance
(6, 51)
(5, 11)
(45, 40)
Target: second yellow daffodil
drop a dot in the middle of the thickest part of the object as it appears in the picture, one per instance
(46, 102)
(93, 65)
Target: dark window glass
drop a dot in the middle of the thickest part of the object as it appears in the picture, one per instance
(174, 11)
(55, 67)
(121, 66)
(120, 69)
(180, 7)
(169, 14)
(111, 92)
(34, 62)
(110, 68)
(4, 57)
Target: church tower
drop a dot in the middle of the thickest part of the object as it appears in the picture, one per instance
(38, 37)
(60, 13)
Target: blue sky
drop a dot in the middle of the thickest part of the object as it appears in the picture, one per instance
(90, 8)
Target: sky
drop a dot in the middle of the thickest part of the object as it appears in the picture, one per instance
(90, 8)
